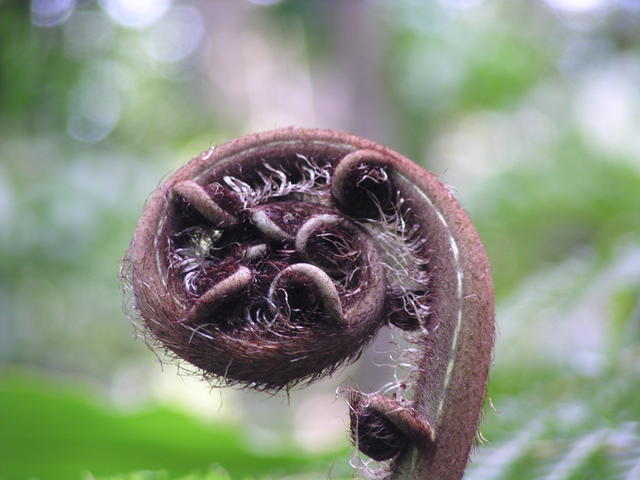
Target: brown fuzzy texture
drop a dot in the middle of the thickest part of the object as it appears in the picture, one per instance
(373, 434)
(273, 260)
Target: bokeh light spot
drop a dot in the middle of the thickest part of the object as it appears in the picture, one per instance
(49, 13)
(87, 35)
(95, 104)
(136, 13)
(264, 3)
(176, 36)
(576, 5)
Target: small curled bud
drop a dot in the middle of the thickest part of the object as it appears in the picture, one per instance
(362, 186)
(383, 426)
(372, 432)
(274, 259)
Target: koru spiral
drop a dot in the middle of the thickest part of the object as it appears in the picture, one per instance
(274, 259)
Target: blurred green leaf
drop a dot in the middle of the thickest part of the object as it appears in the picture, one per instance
(50, 431)
(214, 474)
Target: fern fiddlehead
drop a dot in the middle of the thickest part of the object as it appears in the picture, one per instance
(274, 259)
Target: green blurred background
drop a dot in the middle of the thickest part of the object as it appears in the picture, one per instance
(529, 109)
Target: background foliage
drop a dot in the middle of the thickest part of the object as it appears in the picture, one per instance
(529, 109)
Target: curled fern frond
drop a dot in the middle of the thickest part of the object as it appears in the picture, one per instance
(273, 260)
